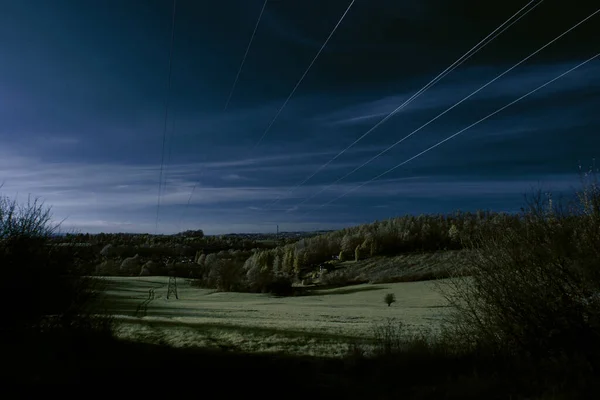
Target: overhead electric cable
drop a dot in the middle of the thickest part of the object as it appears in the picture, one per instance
(230, 95)
(237, 77)
(167, 99)
(304, 74)
(451, 108)
(187, 204)
(169, 152)
(459, 132)
(484, 42)
(289, 96)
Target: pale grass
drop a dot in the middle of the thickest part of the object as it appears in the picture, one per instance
(321, 324)
(385, 269)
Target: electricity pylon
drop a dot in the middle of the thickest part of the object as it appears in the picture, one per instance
(172, 288)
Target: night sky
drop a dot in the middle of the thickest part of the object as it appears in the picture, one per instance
(83, 88)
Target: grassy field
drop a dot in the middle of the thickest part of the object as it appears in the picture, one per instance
(323, 322)
(404, 268)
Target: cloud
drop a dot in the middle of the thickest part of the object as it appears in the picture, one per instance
(122, 198)
(449, 92)
(233, 177)
(410, 40)
(82, 116)
(79, 187)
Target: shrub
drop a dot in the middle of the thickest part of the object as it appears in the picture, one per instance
(226, 275)
(40, 281)
(108, 267)
(389, 299)
(389, 337)
(534, 284)
(281, 285)
(131, 265)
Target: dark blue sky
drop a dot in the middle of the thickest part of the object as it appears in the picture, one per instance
(82, 105)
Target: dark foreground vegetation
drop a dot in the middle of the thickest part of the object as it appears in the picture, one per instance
(526, 321)
(414, 372)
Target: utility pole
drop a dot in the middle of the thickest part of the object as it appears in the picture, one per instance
(172, 288)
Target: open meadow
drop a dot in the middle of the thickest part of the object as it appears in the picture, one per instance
(323, 322)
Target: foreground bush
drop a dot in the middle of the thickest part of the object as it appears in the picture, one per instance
(534, 287)
(41, 285)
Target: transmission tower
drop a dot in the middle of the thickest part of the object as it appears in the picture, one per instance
(172, 288)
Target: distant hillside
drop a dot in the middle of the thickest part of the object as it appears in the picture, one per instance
(275, 236)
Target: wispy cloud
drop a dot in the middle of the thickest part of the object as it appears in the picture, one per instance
(82, 115)
(460, 85)
(233, 177)
(119, 197)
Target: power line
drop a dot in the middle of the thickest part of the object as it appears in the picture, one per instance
(289, 96)
(169, 152)
(304, 75)
(167, 99)
(435, 80)
(461, 131)
(455, 105)
(187, 204)
(230, 95)
(245, 55)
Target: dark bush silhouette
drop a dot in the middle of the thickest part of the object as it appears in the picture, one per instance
(41, 284)
(389, 299)
(534, 289)
(281, 285)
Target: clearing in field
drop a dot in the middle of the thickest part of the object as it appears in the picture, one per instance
(321, 323)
